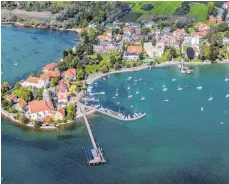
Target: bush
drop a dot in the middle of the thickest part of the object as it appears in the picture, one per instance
(134, 64)
(128, 65)
(147, 7)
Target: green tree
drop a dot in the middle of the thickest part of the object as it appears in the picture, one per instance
(104, 69)
(70, 112)
(80, 74)
(39, 94)
(224, 15)
(26, 94)
(17, 85)
(205, 51)
(112, 60)
(24, 119)
(5, 87)
(54, 81)
(211, 6)
(173, 52)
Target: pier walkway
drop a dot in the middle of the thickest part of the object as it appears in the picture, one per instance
(96, 152)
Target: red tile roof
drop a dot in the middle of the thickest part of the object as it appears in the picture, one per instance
(31, 79)
(47, 118)
(12, 97)
(22, 102)
(202, 27)
(179, 32)
(48, 74)
(134, 49)
(62, 112)
(70, 73)
(50, 66)
(38, 106)
(212, 20)
(203, 33)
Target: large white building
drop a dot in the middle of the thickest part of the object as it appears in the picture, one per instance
(36, 82)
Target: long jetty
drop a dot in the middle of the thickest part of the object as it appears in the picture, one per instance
(96, 152)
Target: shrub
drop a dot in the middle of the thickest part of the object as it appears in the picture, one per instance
(128, 65)
(104, 69)
(134, 64)
(147, 7)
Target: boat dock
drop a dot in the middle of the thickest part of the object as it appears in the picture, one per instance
(96, 152)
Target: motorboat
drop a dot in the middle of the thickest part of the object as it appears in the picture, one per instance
(226, 79)
(199, 87)
(164, 89)
(142, 98)
(173, 80)
(137, 92)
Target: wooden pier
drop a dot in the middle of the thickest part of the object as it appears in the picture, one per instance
(96, 152)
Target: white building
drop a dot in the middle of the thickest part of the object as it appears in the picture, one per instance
(38, 109)
(36, 82)
(154, 51)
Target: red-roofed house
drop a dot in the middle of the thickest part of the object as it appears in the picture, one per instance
(50, 74)
(12, 98)
(70, 74)
(200, 34)
(38, 109)
(179, 32)
(37, 82)
(134, 49)
(50, 67)
(104, 38)
(212, 20)
(21, 104)
(202, 27)
(219, 21)
(62, 95)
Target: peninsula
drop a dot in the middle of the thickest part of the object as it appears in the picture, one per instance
(48, 99)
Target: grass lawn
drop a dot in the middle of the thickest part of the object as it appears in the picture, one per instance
(17, 92)
(159, 7)
(200, 11)
(90, 69)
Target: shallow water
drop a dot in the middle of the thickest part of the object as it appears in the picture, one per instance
(175, 143)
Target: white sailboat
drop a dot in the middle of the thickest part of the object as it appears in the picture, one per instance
(137, 92)
(164, 89)
(164, 86)
(166, 99)
(128, 87)
(129, 95)
(173, 80)
(116, 94)
(227, 95)
(199, 87)
(226, 79)
(179, 88)
(210, 97)
(142, 98)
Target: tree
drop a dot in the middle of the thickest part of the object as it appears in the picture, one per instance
(112, 60)
(17, 85)
(24, 119)
(6, 104)
(39, 94)
(80, 74)
(104, 69)
(211, 6)
(173, 52)
(5, 87)
(205, 51)
(190, 53)
(70, 112)
(26, 94)
(214, 52)
(54, 81)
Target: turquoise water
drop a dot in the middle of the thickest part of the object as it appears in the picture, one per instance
(28, 50)
(175, 143)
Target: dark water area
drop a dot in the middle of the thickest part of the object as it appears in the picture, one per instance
(176, 143)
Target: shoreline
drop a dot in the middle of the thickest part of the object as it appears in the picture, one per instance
(19, 24)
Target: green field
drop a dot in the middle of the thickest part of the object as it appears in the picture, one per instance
(200, 11)
(159, 7)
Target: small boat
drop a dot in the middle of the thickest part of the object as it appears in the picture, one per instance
(179, 88)
(128, 87)
(151, 89)
(113, 97)
(137, 92)
(104, 78)
(118, 103)
(226, 79)
(129, 78)
(202, 109)
(166, 99)
(15, 64)
(116, 94)
(164, 86)
(129, 95)
(186, 86)
(199, 87)
(164, 89)
(142, 98)
(227, 95)
(135, 83)
(183, 71)
(131, 106)
(210, 98)
(140, 79)
(173, 80)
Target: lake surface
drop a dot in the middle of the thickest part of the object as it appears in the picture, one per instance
(28, 50)
(175, 143)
